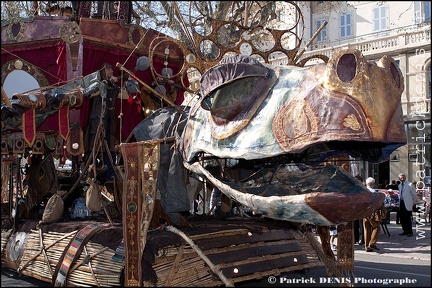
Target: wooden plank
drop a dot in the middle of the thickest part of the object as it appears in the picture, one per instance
(248, 245)
(175, 265)
(275, 272)
(266, 265)
(215, 242)
(245, 253)
(40, 29)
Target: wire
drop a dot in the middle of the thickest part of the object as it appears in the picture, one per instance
(55, 76)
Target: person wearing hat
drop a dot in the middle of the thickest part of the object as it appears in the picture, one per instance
(371, 224)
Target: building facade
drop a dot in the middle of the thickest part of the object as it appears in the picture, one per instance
(400, 30)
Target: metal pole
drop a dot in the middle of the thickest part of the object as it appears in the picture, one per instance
(149, 88)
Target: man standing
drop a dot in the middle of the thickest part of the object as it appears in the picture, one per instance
(371, 223)
(407, 196)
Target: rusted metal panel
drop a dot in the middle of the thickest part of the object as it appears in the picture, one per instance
(111, 33)
(40, 28)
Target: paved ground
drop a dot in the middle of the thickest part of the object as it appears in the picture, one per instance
(416, 247)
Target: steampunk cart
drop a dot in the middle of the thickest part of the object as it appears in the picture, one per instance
(267, 137)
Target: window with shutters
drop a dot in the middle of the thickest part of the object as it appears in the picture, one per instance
(380, 18)
(345, 25)
(422, 11)
(322, 36)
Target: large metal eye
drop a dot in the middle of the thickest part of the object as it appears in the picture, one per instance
(347, 67)
(392, 68)
(395, 72)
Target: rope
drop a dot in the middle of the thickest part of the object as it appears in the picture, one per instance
(136, 47)
(3, 49)
(121, 108)
(121, 85)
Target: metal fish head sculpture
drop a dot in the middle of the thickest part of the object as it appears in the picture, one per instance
(289, 120)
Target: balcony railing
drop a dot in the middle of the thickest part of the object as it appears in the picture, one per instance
(376, 45)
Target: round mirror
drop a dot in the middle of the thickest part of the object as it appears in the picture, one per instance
(19, 81)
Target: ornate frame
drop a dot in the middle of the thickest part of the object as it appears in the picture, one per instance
(19, 64)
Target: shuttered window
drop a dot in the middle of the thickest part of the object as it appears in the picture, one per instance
(322, 36)
(380, 18)
(345, 25)
(422, 11)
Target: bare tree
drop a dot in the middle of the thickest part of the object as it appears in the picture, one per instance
(210, 29)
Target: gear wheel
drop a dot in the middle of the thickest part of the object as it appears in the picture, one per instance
(70, 32)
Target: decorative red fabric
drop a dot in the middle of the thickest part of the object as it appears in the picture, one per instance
(29, 126)
(63, 118)
(42, 56)
(132, 114)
